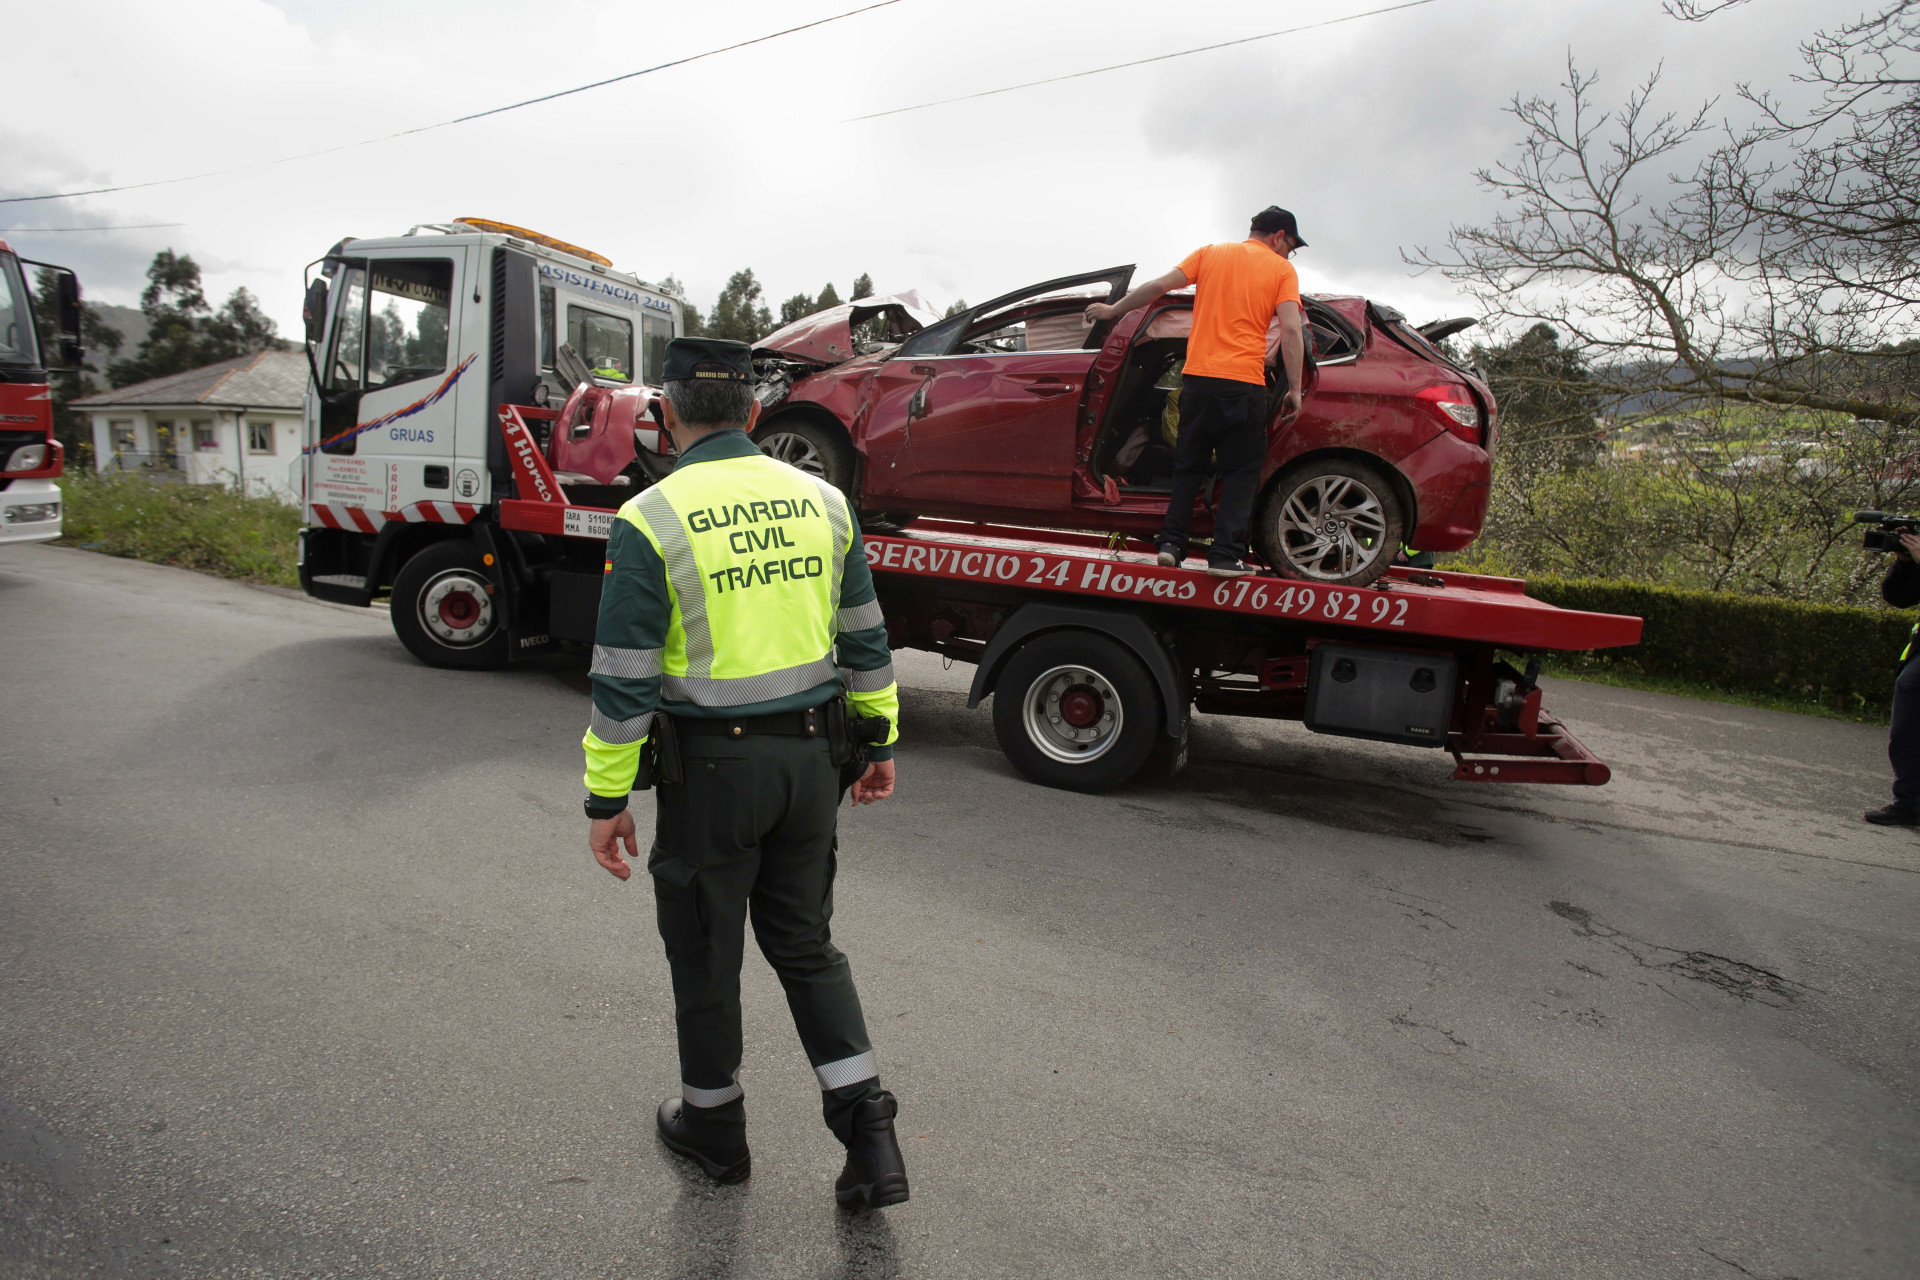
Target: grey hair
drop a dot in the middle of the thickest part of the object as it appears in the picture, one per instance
(710, 402)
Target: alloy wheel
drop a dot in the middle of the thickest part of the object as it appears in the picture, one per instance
(796, 451)
(1331, 527)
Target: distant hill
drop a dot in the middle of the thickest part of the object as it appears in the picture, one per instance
(132, 324)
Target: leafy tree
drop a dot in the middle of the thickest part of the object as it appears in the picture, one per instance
(827, 298)
(798, 307)
(862, 287)
(689, 314)
(738, 313)
(955, 308)
(183, 332)
(1547, 402)
(102, 341)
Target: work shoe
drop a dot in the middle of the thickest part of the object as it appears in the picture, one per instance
(1230, 569)
(1893, 815)
(1168, 557)
(715, 1137)
(876, 1172)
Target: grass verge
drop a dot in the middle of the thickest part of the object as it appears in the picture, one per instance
(191, 526)
(1572, 667)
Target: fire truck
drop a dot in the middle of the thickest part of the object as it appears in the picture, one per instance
(30, 458)
(481, 408)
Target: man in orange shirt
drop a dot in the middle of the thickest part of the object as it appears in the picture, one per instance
(1223, 394)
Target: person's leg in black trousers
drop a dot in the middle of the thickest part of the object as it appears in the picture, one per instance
(1192, 459)
(1903, 749)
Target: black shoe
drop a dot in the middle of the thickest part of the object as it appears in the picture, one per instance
(1230, 569)
(716, 1137)
(1893, 815)
(1169, 557)
(876, 1172)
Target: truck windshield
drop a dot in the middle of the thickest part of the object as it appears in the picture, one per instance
(17, 344)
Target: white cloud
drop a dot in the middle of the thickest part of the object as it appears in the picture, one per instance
(1369, 131)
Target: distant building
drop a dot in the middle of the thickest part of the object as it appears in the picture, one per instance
(236, 421)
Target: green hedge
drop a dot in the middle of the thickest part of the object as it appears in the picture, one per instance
(1828, 654)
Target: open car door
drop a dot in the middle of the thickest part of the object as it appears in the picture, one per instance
(978, 413)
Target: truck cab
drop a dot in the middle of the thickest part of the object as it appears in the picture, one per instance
(416, 341)
(31, 459)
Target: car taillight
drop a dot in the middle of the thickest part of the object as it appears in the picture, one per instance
(28, 457)
(1456, 407)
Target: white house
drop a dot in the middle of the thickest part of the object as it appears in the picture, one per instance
(236, 421)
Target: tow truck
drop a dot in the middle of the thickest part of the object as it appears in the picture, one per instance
(31, 459)
(1095, 656)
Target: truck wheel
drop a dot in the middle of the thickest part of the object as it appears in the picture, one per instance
(443, 613)
(1076, 710)
(1331, 520)
(819, 450)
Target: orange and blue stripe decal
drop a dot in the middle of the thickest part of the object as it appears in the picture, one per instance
(438, 394)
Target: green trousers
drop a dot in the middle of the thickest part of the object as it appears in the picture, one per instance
(751, 833)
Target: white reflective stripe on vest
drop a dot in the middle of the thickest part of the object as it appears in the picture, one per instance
(628, 664)
(869, 681)
(834, 503)
(618, 733)
(683, 572)
(861, 617)
(714, 691)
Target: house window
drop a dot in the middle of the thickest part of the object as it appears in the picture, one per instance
(259, 437)
(605, 342)
(125, 439)
(203, 437)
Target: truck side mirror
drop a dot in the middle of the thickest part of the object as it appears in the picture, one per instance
(314, 310)
(66, 294)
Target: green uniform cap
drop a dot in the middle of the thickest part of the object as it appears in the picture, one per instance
(716, 359)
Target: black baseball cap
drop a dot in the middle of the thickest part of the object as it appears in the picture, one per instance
(708, 359)
(1273, 218)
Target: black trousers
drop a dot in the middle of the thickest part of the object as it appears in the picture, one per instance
(1903, 739)
(1222, 428)
(750, 833)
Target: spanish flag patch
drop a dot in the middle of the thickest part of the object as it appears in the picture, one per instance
(609, 568)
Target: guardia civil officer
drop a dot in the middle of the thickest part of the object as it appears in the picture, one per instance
(1901, 589)
(738, 611)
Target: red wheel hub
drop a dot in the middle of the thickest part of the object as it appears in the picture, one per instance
(1080, 706)
(459, 610)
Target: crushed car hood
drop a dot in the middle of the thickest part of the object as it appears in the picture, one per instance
(826, 337)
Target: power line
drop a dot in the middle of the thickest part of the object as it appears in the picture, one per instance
(1137, 62)
(41, 231)
(444, 124)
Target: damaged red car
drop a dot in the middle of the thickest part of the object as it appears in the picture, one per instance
(1022, 411)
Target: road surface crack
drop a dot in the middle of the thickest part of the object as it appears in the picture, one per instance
(1430, 1036)
(1735, 977)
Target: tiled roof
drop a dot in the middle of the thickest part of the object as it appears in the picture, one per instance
(264, 380)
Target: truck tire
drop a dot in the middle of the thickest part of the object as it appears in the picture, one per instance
(810, 446)
(1076, 710)
(443, 612)
(1335, 521)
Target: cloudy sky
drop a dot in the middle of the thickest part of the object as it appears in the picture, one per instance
(1370, 130)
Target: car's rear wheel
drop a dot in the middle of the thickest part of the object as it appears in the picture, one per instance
(813, 447)
(1331, 520)
(443, 611)
(1076, 710)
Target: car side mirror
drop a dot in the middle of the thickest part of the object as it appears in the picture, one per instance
(314, 310)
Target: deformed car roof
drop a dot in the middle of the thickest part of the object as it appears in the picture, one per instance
(826, 337)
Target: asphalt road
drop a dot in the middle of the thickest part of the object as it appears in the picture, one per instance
(305, 971)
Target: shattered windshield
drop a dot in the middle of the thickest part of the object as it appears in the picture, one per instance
(17, 345)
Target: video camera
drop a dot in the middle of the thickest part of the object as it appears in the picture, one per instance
(1887, 536)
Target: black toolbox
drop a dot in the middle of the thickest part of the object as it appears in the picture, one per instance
(1389, 695)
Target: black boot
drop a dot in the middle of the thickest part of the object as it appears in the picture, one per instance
(876, 1173)
(1893, 815)
(716, 1137)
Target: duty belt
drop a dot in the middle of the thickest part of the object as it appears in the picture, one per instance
(808, 722)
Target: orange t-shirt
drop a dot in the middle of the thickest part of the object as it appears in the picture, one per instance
(1240, 287)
